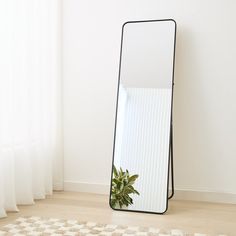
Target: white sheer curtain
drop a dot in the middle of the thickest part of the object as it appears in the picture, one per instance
(30, 124)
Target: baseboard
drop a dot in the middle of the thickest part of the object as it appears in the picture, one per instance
(86, 187)
(180, 194)
(58, 186)
(205, 196)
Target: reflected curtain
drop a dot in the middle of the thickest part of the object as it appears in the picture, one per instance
(30, 100)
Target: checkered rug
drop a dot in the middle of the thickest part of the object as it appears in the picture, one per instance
(33, 226)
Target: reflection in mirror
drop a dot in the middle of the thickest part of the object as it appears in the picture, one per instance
(142, 134)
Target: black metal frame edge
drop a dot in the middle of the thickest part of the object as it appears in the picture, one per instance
(171, 123)
(171, 163)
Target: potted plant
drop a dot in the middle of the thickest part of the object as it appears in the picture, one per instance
(122, 187)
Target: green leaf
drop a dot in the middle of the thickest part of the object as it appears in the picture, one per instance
(133, 178)
(115, 171)
(122, 187)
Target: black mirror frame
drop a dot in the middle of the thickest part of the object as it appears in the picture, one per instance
(171, 120)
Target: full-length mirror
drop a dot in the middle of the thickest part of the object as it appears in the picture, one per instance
(143, 117)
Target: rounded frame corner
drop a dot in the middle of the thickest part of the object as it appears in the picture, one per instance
(174, 21)
(125, 23)
(110, 203)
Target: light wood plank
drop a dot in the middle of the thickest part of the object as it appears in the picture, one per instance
(190, 216)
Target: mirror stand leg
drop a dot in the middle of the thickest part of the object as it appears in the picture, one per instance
(171, 163)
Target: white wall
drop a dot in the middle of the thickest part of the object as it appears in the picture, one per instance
(205, 89)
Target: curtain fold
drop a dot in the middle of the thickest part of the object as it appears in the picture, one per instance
(30, 101)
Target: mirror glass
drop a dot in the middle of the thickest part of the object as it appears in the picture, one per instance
(143, 117)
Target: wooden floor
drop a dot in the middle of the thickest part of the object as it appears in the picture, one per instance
(189, 216)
